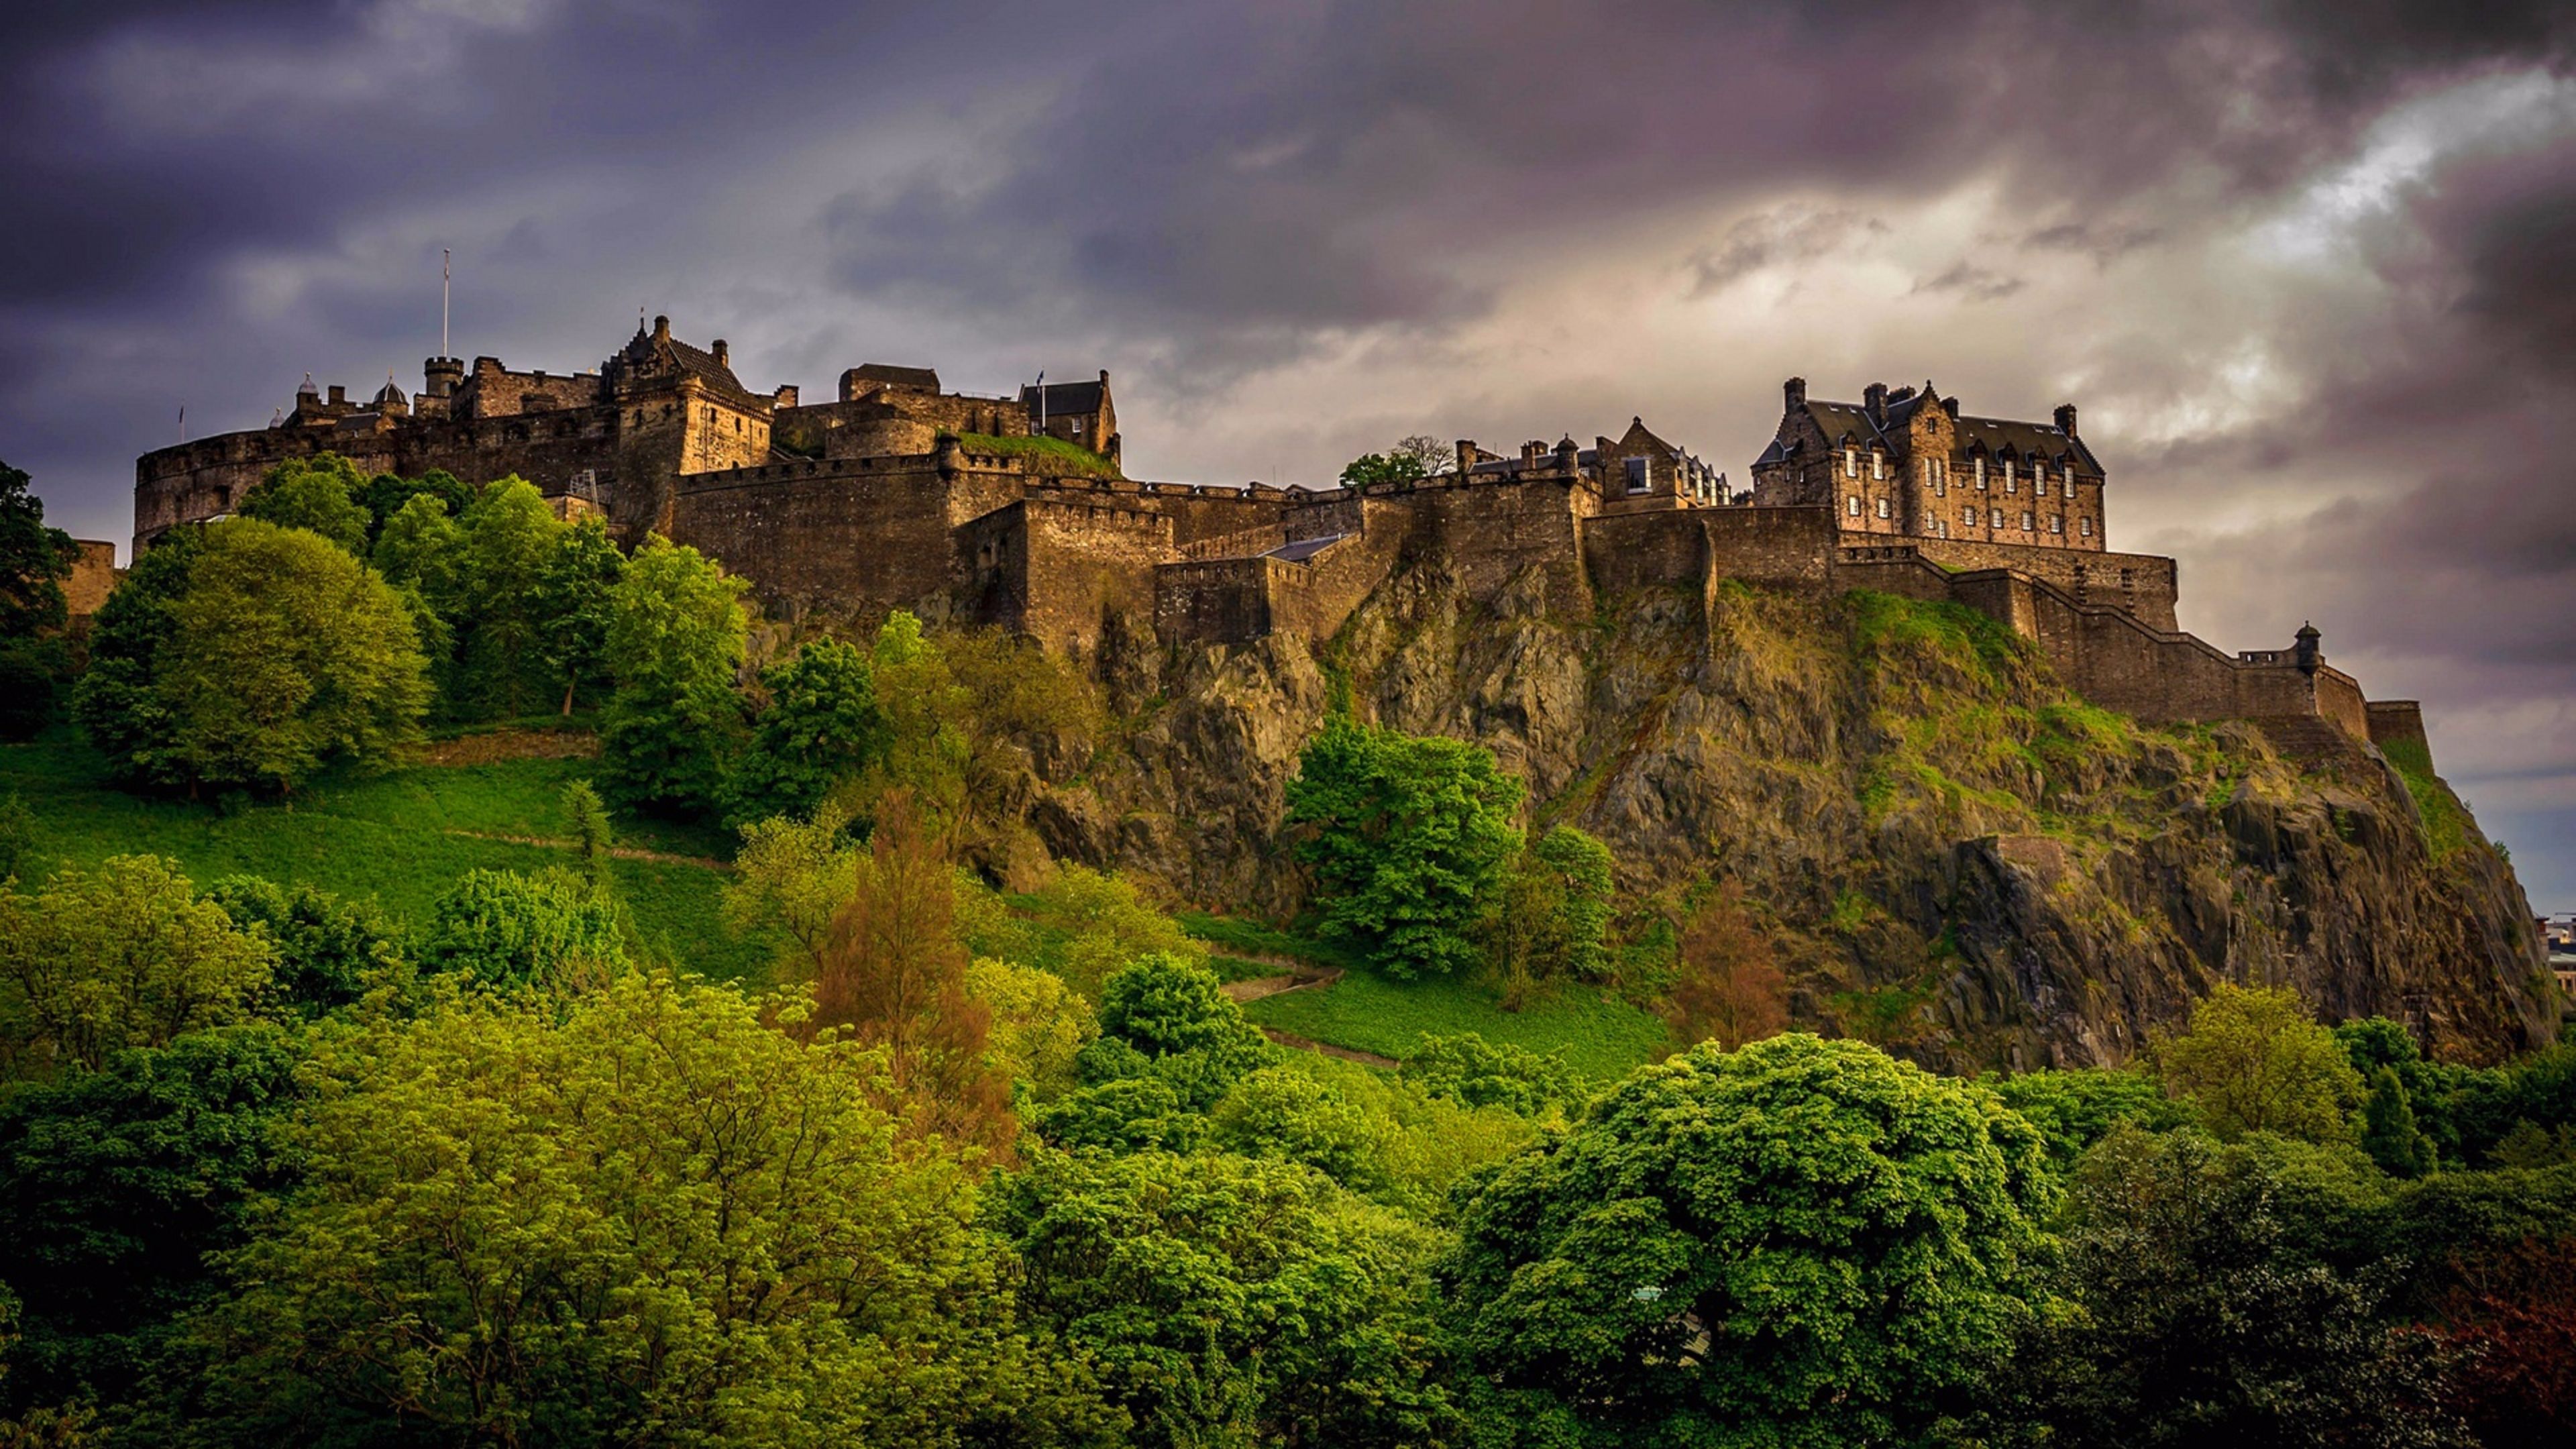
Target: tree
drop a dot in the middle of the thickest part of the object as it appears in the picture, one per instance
(116, 1184)
(822, 726)
(1231, 1301)
(34, 561)
(676, 634)
(505, 930)
(117, 702)
(1168, 1017)
(1805, 1242)
(319, 494)
(1281, 1114)
(280, 654)
(2514, 1315)
(1081, 925)
(2255, 1061)
(573, 610)
(1414, 458)
(892, 971)
(420, 547)
(1423, 451)
(793, 875)
(386, 495)
(1728, 988)
(594, 838)
(1039, 1024)
(2075, 1109)
(642, 1216)
(2388, 1130)
(328, 952)
(510, 537)
(2198, 1326)
(1406, 836)
(1469, 1069)
(1549, 915)
(122, 956)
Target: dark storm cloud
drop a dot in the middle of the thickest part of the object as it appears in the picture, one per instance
(209, 198)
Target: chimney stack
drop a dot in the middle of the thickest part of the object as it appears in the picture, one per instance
(723, 358)
(2066, 419)
(1794, 393)
(661, 329)
(1874, 398)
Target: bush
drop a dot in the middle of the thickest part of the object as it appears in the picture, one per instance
(503, 929)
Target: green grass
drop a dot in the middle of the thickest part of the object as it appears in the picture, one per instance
(1051, 455)
(2446, 821)
(399, 839)
(1365, 1011)
(1603, 1039)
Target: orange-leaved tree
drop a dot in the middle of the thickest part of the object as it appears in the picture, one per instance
(893, 971)
(1728, 989)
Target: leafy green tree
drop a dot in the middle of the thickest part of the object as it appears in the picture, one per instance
(1082, 924)
(822, 726)
(503, 929)
(2255, 1061)
(1039, 1025)
(1406, 836)
(117, 702)
(2388, 1130)
(34, 561)
(1804, 1242)
(125, 955)
(675, 640)
(1230, 1301)
(1549, 916)
(573, 609)
(2198, 1324)
(1467, 1068)
(1167, 1017)
(328, 952)
(510, 538)
(386, 495)
(116, 1184)
(594, 837)
(793, 876)
(319, 494)
(1394, 466)
(286, 655)
(421, 547)
(639, 1217)
(1283, 1115)
(2075, 1109)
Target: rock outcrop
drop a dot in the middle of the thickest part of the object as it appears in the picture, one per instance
(1958, 858)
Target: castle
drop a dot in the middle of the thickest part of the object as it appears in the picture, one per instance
(1012, 509)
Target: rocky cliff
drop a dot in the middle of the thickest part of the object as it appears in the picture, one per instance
(1959, 859)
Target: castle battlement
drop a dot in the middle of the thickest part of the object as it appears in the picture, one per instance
(901, 494)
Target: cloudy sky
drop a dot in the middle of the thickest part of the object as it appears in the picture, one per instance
(2302, 264)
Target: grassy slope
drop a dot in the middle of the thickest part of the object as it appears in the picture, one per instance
(394, 838)
(1602, 1037)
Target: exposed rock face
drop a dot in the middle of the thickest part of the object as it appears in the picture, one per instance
(1961, 861)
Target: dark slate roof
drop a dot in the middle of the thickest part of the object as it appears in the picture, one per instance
(1063, 399)
(719, 379)
(2025, 439)
(925, 378)
(1839, 421)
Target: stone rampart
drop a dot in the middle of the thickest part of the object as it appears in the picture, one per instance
(2143, 584)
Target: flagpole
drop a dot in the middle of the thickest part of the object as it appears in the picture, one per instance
(442, 301)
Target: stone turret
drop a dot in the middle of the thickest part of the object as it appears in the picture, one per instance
(2306, 652)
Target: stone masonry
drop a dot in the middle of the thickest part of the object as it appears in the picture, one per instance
(971, 507)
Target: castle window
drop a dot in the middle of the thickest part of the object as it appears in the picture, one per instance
(2085, 527)
(1968, 516)
(1877, 464)
(1940, 528)
(1851, 462)
(2025, 520)
(1882, 508)
(1981, 471)
(2057, 523)
(2070, 480)
(2008, 477)
(1852, 505)
(1637, 482)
